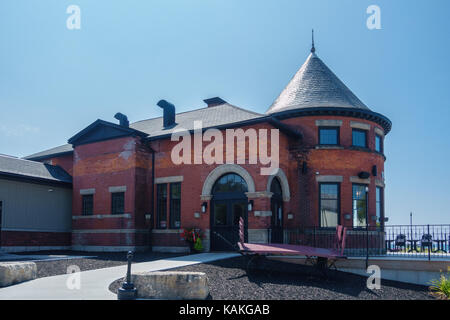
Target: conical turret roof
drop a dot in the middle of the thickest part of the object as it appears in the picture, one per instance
(315, 86)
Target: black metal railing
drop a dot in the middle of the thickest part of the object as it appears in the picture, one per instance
(419, 241)
(424, 241)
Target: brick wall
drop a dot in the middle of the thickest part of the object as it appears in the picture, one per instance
(127, 162)
(346, 162)
(34, 239)
(194, 176)
(65, 161)
(122, 162)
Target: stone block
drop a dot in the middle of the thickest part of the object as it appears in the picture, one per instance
(171, 285)
(16, 272)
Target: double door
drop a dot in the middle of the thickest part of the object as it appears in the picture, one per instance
(225, 217)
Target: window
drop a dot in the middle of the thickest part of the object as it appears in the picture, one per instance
(175, 205)
(359, 205)
(87, 204)
(379, 204)
(329, 136)
(161, 206)
(378, 143)
(359, 138)
(220, 213)
(118, 203)
(230, 183)
(329, 205)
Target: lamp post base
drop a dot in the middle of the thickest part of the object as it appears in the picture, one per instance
(127, 292)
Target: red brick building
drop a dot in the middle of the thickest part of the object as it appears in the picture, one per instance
(129, 194)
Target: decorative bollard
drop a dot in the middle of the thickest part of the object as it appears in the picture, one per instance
(127, 291)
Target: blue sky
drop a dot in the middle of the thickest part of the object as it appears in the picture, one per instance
(129, 54)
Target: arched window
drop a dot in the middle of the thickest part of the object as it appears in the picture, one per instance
(230, 183)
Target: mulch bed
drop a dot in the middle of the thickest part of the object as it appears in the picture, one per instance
(228, 280)
(101, 260)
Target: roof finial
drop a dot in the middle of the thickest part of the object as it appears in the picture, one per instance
(313, 49)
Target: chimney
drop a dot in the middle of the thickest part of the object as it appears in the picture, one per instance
(216, 101)
(169, 113)
(123, 120)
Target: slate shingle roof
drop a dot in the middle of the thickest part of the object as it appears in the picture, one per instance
(32, 169)
(66, 148)
(211, 117)
(314, 86)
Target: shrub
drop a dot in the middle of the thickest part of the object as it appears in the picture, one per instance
(198, 245)
(441, 287)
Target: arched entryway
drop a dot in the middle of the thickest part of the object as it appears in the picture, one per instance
(228, 204)
(276, 204)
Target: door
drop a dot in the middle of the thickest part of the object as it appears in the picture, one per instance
(276, 203)
(277, 221)
(225, 223)
(228, 204)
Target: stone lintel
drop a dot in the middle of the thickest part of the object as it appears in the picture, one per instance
(329, 123)
(359, 125)
(117, 189)
(359, 180)
(169, 179)
(87, 191)
(329, 178)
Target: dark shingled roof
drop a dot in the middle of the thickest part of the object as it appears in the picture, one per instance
(64, 149)
(218, 115)
(20, 168)
(315, 86)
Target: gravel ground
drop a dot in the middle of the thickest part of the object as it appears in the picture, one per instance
(228, 280)
(101, 260)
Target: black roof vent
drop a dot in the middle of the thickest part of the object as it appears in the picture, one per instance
(216, 101)
(123, 120)
(169, 113)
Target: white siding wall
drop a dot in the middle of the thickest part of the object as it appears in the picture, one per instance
(29, 206)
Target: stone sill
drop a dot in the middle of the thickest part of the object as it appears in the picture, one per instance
(328, 147)
(167, 230)
(103, 216)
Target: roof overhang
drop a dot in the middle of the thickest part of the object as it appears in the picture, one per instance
(378, 118)
(32, 179)
(286, 129)
(53, 155)
(101, 130)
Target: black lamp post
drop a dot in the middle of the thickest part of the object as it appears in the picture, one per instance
(367, 226)
(127, 291)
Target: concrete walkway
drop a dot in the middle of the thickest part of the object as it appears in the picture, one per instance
(94, 283)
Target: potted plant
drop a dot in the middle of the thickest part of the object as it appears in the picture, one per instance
(193, 236)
